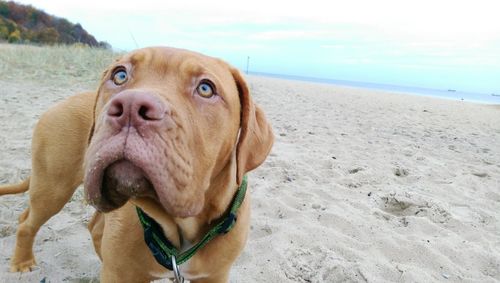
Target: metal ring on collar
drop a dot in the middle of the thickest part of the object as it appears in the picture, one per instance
(177, 274)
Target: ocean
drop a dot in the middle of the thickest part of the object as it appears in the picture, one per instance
(440, 93)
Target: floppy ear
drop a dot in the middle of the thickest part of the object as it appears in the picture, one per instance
(91, 133)
(92, 128)
(256, 135)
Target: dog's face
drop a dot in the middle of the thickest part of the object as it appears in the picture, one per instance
(166, 123)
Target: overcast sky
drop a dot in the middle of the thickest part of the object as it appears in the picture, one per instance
(442, 44)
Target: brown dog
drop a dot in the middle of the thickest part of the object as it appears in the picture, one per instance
(174, 134)
(58, 146)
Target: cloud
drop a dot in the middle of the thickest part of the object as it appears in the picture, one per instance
(315, 37)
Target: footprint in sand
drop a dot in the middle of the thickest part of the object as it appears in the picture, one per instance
(355, 170)
(481, 175)
(409, 205)
(401, 172)
(485, 150)
(261, 231)
(7, 230)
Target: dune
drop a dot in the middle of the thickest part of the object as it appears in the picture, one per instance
(361, 185)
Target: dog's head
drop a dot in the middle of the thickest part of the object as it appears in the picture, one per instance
(167, 121)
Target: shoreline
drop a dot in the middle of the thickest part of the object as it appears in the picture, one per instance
(488, 99)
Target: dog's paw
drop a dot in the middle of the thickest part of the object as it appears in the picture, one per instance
(25, 266)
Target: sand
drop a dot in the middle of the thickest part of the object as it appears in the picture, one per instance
(361, 186)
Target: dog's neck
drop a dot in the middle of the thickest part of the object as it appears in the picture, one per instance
(218, 197)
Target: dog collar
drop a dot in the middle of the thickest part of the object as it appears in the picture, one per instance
(166, 253)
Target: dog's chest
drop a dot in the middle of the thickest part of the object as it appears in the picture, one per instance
(184, 270)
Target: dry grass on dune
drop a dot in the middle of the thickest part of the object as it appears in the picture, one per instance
(41, 75)
(33, 78)
(62, 63)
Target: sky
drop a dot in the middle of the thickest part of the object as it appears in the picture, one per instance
(441, 44)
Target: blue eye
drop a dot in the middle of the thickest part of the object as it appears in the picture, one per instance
(205, 89)
(120, 77)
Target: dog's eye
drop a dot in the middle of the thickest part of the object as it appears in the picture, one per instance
(206, 89)
(120, 77)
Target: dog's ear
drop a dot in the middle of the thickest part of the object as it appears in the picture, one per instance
(92, 128)
(256, 135)
(104, 75)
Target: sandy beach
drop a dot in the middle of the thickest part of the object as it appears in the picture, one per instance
(361, 186)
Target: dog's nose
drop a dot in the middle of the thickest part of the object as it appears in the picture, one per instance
(136, 109)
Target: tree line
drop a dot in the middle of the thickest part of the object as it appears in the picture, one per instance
(26, 24)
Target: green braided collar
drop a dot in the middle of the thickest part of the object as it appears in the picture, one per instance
(163, 250)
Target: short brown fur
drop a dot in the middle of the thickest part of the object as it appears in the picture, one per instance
(118, 232)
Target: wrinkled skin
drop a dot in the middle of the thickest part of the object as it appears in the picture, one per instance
(155, 143)
(172, 154)
(161, 143)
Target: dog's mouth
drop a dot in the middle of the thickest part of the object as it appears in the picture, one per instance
(122, 180)
(126, 166)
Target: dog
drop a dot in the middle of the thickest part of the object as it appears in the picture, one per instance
(168, 136)
(59, 141)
